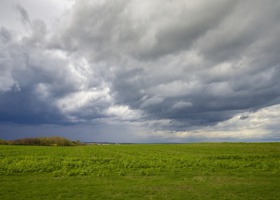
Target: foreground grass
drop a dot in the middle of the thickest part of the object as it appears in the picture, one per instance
(179, 171)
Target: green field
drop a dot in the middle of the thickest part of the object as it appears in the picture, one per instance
(141, 171)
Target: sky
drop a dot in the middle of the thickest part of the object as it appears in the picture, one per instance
(140, 71)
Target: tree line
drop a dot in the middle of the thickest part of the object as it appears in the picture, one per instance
(42, 141)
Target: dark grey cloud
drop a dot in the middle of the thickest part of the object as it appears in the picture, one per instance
(210, 56)
(23, 14)
(5, 35)
(42, 86)
(176, 64)
(25, 108)
(141, 30)
(19, 80)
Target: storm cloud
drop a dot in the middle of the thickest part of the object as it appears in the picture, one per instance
(171, 66)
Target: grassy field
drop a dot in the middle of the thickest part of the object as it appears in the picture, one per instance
(151, 171)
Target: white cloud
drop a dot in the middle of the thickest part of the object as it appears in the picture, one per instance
(261, 125)
(182, 105)
(76, 101)
(123, 113)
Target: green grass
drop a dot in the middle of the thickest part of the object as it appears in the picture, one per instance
(163, 171)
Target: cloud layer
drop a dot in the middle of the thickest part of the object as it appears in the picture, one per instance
(172, 66)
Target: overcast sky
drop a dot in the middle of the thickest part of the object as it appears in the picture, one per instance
(140, 71)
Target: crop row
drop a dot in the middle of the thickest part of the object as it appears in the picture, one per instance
(91, 161)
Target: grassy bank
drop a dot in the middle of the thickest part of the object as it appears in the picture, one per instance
(163, 171)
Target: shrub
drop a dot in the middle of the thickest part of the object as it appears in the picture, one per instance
(43, 141)
(3, 142)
